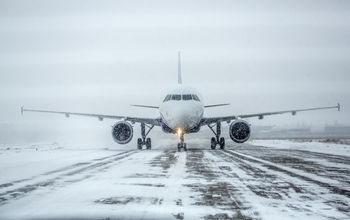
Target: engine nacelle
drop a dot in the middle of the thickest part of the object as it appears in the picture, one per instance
(239, 131)
(122, 132)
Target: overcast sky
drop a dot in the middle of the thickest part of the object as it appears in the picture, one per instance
(101, 56)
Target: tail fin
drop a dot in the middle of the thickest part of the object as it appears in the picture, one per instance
(179, 77)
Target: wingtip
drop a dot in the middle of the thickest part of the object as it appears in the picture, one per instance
(21, 110)
(338, 107)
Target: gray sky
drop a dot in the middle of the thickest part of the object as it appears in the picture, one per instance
(101, 56)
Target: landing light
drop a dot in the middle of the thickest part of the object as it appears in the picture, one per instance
(179, 132)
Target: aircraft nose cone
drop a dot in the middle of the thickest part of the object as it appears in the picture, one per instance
(181, 119)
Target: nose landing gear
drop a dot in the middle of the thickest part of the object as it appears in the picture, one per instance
(217, 140)
(144, 141)
(182, 144)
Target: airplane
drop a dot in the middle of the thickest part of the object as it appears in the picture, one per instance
(182, 112)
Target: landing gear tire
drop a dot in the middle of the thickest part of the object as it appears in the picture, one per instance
(139, 143)
(144, 141)
(222, 143)
(217, 140)
(181, 145)
(213, 143)
(148, 143)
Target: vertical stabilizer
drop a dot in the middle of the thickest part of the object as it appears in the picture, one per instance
(179, 77)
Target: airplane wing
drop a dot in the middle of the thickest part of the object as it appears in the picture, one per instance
(150, 121)
(212, 120)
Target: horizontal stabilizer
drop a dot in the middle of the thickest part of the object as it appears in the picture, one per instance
(146, 106)
(216, 105)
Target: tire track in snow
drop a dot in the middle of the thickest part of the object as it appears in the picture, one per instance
(161, 180)
(294, 173)
(59, 170)
(174, 184)
(280, 186)
(327, 166)
(215, 191)
(65, 177)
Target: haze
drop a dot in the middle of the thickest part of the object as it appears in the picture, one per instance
(101, 56)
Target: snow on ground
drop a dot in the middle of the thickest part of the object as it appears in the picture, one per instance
(52, 181)
(26, 161)
(314, 146)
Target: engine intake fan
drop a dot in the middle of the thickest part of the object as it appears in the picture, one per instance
(122, 132)
(239, 131)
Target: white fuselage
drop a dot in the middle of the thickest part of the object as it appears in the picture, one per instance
(182, 108)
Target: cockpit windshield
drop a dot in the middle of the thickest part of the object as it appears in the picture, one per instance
(195, 97)
(178, 97)
(167, 98)
(187, 97)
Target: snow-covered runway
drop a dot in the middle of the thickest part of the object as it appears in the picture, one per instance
(242, 182)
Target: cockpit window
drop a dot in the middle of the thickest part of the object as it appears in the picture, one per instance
(195, 97)
(176, 97)
(186, 97)
(167, 98)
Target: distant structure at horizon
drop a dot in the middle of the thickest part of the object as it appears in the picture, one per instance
(337, 129)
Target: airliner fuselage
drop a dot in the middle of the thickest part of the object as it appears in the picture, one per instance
(182, 110)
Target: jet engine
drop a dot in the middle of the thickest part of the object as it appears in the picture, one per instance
(239, 131)
(122, 132)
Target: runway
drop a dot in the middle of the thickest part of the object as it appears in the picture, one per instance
(241, 182)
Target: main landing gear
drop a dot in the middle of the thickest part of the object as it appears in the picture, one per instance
(144, 141)
(217, 140)
(182, 144)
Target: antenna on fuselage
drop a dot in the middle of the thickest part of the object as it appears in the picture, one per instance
(179, 77)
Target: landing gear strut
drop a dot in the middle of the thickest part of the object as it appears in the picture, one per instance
(144, 141)
(217, 140)
(182, 144)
